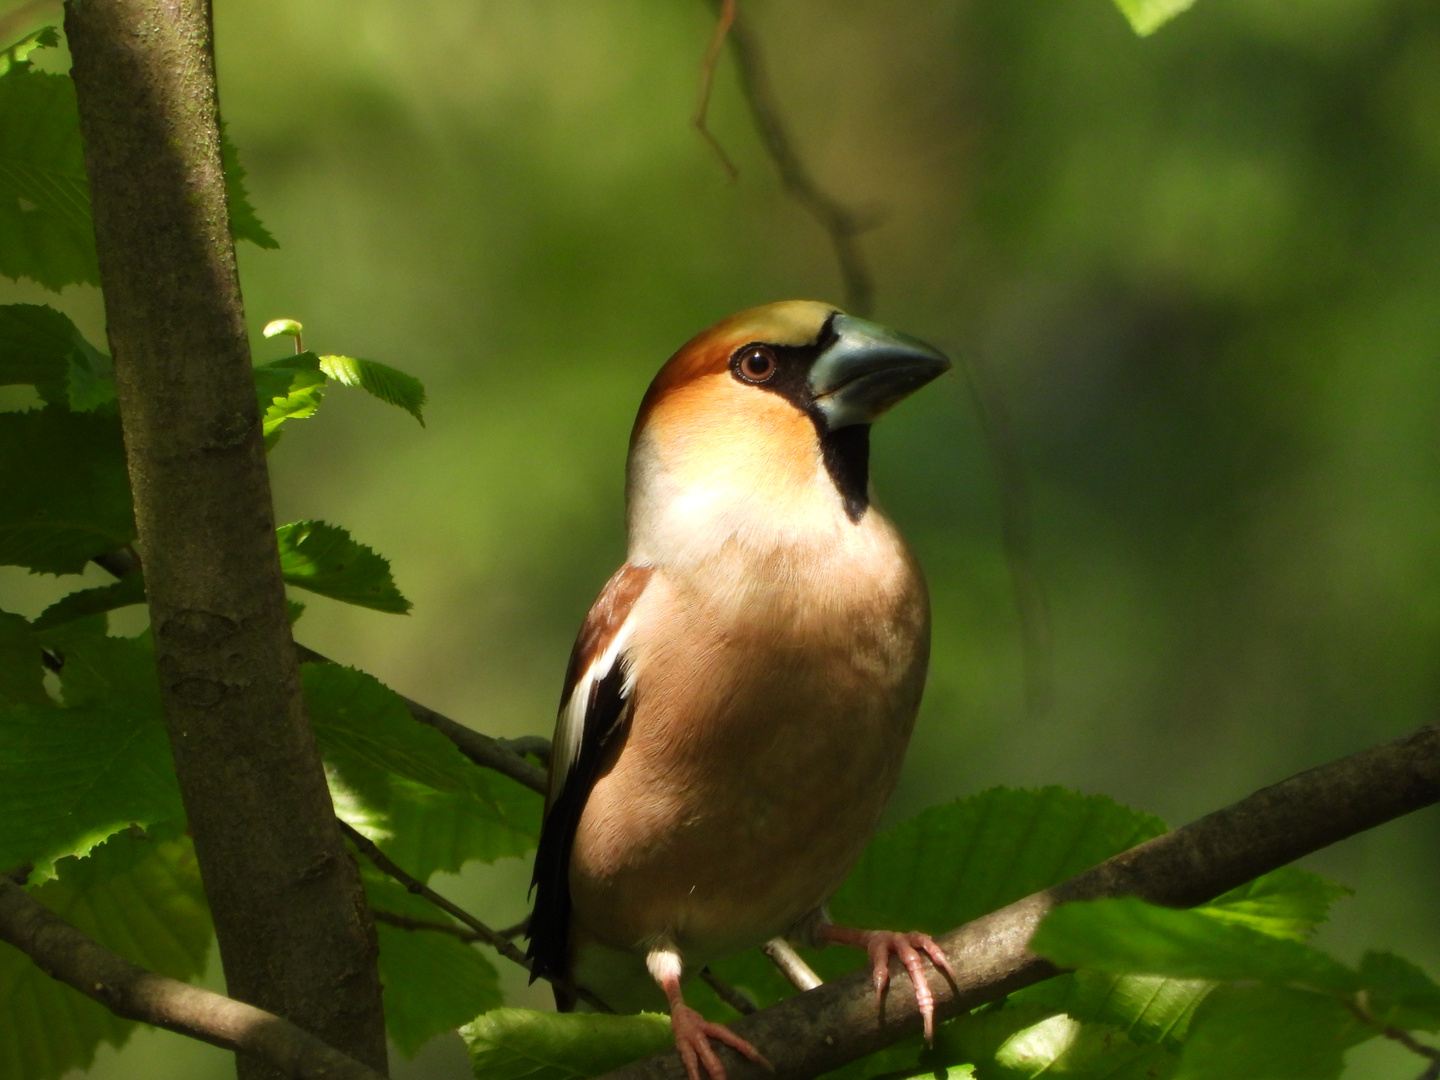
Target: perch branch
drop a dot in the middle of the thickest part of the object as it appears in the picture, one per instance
(815, 1032)
(66, 954)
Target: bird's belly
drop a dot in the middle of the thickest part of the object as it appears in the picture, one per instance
(722, 832)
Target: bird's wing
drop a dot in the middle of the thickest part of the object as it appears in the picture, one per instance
(593, 707)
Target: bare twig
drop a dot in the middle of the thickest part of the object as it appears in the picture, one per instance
(815, 1032)
(66, 954)
(482, 749)
(405, 922)
(483, 934)
(783, 955)
(1016, 537)
(840, 223)
(707, 82)
(1360, 1006)
(727, 993)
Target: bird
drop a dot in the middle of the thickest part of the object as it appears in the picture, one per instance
(739, 699)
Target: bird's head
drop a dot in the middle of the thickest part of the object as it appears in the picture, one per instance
(763, 422)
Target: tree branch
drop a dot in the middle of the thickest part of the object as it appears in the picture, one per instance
(294, 931)
(66, 954)
(815, 1032)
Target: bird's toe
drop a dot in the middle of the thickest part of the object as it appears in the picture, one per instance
(692, 1039)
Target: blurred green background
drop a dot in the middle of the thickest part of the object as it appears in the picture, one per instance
(1203, 269)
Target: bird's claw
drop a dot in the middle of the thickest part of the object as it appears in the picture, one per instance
(909, 949)
(692, 1039)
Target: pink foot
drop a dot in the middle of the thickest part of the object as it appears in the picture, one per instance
(883, 944)
(692, 1038)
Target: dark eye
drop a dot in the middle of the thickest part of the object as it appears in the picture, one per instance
(755, 363)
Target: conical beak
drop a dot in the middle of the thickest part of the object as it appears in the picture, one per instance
(867, 369)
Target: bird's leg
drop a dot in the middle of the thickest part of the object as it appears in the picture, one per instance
(692, 1031)
(883, 944)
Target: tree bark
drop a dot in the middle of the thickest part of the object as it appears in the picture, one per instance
(295, 933)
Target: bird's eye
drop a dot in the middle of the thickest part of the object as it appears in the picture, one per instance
(756, 363)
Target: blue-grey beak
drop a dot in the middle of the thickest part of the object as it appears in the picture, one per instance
(867, 369)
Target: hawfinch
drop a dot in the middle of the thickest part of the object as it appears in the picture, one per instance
(739, 698)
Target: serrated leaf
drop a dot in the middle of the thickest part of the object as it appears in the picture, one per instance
(47, 37)
(67, 494)
(35, 346)
(1129, 936)
(405, 785)
(953, 863)
(323, 559)
(433, 981)
(1145, 1008)
(1019, 1043)
(244, 223)
(45, 229)
(288, 389)
(521, 1044)
(1147, 16)
(86, 602)
(140, 897)
(1268, 1033)
(381, 380)
(102, 670)
(69, 778)
(22, 678)
(1288, 902)
(1399, 993)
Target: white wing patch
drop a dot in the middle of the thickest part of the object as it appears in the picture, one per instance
(570, 726)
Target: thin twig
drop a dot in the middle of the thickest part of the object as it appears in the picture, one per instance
(727, 993)
(482, 749)
(1360, 1006)
(69, 956)
(840, 223)
(406, 922)
(483, 933)
(813, 1033)
(707, 82)
(791, 964)
(1016, 536)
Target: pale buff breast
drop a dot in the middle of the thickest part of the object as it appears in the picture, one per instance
(769, 727)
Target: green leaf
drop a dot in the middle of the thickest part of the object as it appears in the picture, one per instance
(433, 981)
(45, 229)
(101, 670)
(1127, 936)
(405, 785)
(86, 602)
(956, 862)
(22, 678)
(1145, 1008)
(1398, 993)
(47, 37)
(140, 897)
(289, 389)
(1147, 16)
(381, 380)
(244, 223)
(1268, 1033)
(953, 863)
(323, 559)
(520, 1044)
(1025, 1042)
(67, 495)
(1288, 902)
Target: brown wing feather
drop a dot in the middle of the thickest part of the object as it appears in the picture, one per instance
(573, 774)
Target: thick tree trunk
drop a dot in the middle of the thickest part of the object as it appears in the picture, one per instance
(295, 934)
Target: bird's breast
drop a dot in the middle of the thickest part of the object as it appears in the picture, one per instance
(773, 702)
